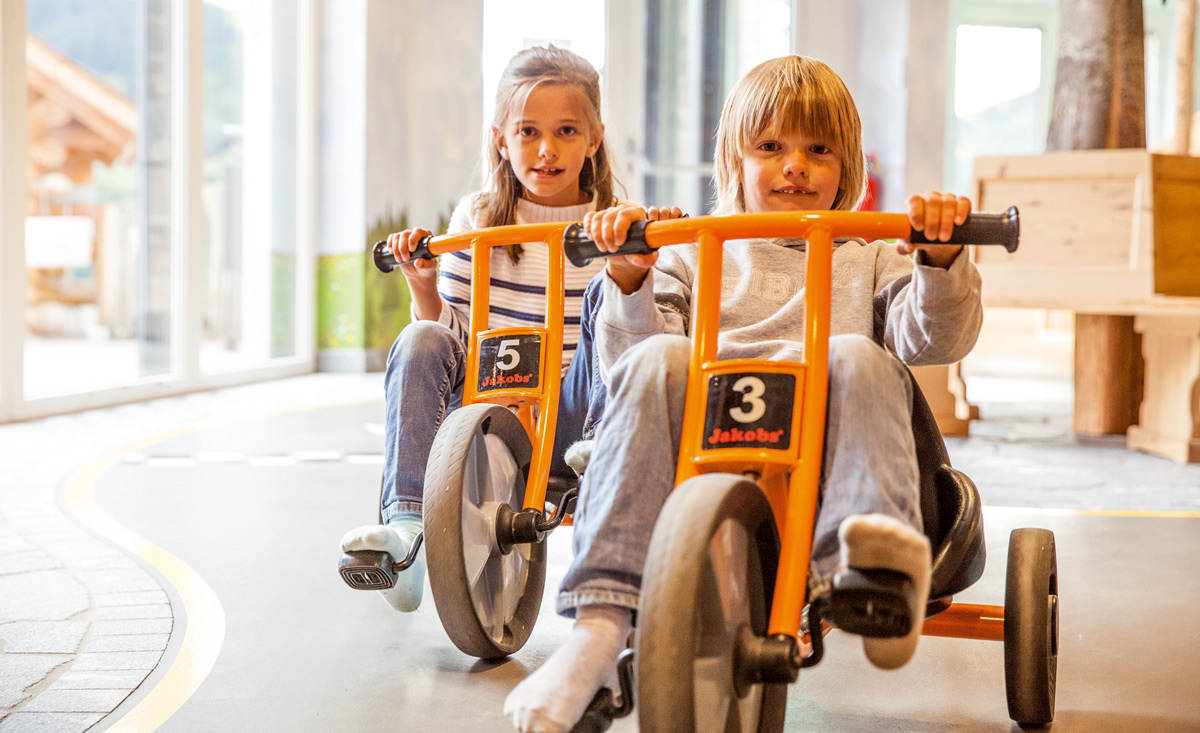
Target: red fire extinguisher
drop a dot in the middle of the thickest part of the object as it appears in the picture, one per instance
(871, 201)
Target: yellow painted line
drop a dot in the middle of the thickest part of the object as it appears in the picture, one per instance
(205, 630)
(1094, 512)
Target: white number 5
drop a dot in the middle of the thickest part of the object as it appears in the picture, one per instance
(507, 352)
(752, 389)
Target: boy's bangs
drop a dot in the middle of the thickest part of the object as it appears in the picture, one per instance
(796, 110)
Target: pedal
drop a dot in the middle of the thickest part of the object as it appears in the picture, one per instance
(598, 717)
(875, 603)
(603, 708)
(367, 570)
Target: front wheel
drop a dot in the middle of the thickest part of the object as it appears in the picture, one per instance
(487, 597)
(1031, 626)
(707, 588)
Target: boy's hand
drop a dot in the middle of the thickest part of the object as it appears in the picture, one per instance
(608, 228)
(936, 214)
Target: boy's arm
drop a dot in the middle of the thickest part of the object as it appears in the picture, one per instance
(659, 305)
(934, 315)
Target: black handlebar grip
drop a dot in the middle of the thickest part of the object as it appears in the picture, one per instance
(385, 262)
(1003, 229)
(580, 250)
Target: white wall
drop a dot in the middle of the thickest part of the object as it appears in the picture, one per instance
(400, 124)
(892, 55)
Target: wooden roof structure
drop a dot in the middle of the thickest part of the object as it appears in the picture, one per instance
(74, 119)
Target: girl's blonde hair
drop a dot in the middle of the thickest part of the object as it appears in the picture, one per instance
(497, 205)
(800, 95)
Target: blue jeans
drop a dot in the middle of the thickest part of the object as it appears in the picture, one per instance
(869, 464)
(426, 370)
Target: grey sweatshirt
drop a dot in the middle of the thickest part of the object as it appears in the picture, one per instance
(924, 315)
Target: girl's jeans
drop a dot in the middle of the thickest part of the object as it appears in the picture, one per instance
(869, 464)
(426, 370)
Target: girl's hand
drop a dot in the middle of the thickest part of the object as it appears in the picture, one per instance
(608, 228)
(936, 214)
(421, 273)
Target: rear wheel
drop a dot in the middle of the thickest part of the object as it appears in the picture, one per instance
(487, 599)
(706, 591)
(1031, 626)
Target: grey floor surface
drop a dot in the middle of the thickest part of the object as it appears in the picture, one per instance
(302, 652)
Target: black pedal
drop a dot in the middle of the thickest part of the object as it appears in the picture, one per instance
(598, 717)
(367, 570)
(875, 603)
(603, 708)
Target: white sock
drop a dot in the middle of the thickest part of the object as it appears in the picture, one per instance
(579, 454)
(394, 538)
(552, 699)
(877, 541)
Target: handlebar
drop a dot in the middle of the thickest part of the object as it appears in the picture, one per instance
(644, 237)
(385, 262)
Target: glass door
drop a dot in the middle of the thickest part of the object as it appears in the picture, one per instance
(164, 147)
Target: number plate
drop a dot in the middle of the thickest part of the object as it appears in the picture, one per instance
(749, 410)
(508, 362)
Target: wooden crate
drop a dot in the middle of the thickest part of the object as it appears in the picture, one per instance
(1098, 227)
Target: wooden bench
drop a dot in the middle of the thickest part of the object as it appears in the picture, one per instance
(1113, 235)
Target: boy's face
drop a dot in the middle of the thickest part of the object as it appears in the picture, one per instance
(790, 172)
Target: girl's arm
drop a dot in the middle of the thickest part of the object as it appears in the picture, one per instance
(421, 275)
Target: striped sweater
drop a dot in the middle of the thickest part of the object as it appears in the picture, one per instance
(518, 293)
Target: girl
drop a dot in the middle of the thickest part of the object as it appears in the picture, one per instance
(546, 162)
(789, 139)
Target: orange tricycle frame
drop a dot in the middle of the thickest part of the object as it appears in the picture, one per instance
(536, 407)
(789, 476)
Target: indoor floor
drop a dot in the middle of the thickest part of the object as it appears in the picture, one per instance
(172, 565)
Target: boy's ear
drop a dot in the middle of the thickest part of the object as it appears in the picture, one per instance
(501, 142)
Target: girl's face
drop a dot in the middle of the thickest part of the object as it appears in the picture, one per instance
(548, 143)
(793, 172)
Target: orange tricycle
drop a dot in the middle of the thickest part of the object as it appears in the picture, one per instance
(724, 610)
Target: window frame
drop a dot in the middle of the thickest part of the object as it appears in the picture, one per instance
(187, 245)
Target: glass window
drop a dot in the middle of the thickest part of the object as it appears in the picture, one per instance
(999, 108)
(106, 255)
(249, 190)
(98, 240)
(695, 53)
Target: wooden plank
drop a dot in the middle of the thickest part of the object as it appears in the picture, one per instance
(1176, 224)
(1108, 374)
(1094, 223)
(1169, 421)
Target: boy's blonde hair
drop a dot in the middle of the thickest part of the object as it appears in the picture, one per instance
(497, 206)
(800, 95)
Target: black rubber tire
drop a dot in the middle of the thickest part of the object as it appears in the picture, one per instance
(470, 440)
(682, 596)
(1031, 627)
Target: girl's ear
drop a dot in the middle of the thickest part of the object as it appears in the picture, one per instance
(501, 142)
(596, 141)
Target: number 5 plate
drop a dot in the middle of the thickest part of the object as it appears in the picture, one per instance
(511, 361)
(749, 410)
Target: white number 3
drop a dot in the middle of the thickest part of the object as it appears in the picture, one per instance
(752, 389)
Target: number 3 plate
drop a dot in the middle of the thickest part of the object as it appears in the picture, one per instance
(749, 410)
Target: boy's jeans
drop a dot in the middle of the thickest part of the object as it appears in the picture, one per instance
(869, 464)
(426, 370)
